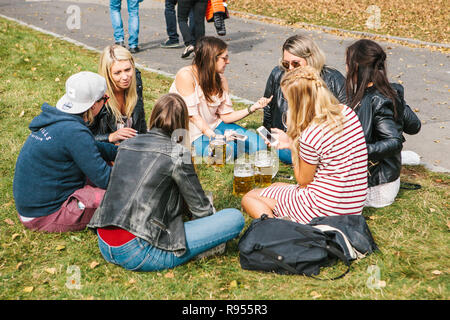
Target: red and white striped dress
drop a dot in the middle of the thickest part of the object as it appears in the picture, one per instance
(340, 182)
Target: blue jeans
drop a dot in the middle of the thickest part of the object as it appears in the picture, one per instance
(285, 156)
(201, 234)
(253, 143)
(171, 21)
(133, 21)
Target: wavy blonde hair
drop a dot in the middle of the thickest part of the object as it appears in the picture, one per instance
(110, 55)
(310, 102)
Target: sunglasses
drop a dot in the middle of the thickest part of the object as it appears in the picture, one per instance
(294, 64)
(105, 99)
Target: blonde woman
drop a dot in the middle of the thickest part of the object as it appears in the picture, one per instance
(297, 51)
(123, 116)
(328, 152)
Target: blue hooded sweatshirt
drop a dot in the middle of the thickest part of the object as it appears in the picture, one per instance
(55, 160)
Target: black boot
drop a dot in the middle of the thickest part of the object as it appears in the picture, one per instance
(219, 23)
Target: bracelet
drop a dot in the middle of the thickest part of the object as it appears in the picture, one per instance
(249, 110)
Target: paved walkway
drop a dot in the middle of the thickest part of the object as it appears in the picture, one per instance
(255, 48)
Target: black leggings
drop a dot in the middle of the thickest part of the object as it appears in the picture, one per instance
(199, 8)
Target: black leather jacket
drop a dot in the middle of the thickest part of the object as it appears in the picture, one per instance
(384, 133)
(105, 123)
(334, 80)
(152, 182)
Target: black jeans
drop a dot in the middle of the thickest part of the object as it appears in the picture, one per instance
(199, 8)
(171, 20)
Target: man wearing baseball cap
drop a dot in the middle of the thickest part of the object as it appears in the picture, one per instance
(61, 173)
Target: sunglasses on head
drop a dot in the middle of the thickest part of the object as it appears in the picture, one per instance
(294, 64)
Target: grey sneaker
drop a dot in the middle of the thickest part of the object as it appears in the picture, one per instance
(170, 44)
(220, 249)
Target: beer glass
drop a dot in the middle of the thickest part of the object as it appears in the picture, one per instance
(193, 157)
(243, 178)
(217, 151)
(284, 119)
(265, 168)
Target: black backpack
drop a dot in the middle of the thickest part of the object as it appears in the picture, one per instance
(287, 247)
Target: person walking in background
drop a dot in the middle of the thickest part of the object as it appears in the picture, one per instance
(171, 25)
(384, 116)
(297, 51)
(328, 152)
(115, 7)
(199, 10)
(140, 223)
(123, 116)
(61, 173)
(217, 12)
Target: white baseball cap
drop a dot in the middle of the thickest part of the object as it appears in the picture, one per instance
(83, 89)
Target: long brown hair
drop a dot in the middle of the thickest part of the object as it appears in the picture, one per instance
(366, 62)
(207, 51)
(169, 114)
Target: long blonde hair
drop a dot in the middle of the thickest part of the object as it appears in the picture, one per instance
(110, 55)
(310, 102)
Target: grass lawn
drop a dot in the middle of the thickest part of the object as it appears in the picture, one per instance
(426, 20)
(413, 233)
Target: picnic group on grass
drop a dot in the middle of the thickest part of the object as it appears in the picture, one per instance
(93, 161)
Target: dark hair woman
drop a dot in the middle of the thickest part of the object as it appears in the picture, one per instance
(384, 116)
(204, 88)
(140, 221)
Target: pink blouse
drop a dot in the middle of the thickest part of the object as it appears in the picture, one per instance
(197, 105)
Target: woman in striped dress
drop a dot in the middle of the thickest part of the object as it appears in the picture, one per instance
(329, 155)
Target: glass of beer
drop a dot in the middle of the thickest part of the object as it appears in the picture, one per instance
(265, 168)
(244, 179)
(218, 151)
(193, 157)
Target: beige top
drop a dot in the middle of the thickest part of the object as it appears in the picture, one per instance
(197, 105)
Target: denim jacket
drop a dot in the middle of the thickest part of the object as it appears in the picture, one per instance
(152, 182)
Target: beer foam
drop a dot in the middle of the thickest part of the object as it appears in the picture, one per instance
(243, 174)
(263, 163)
